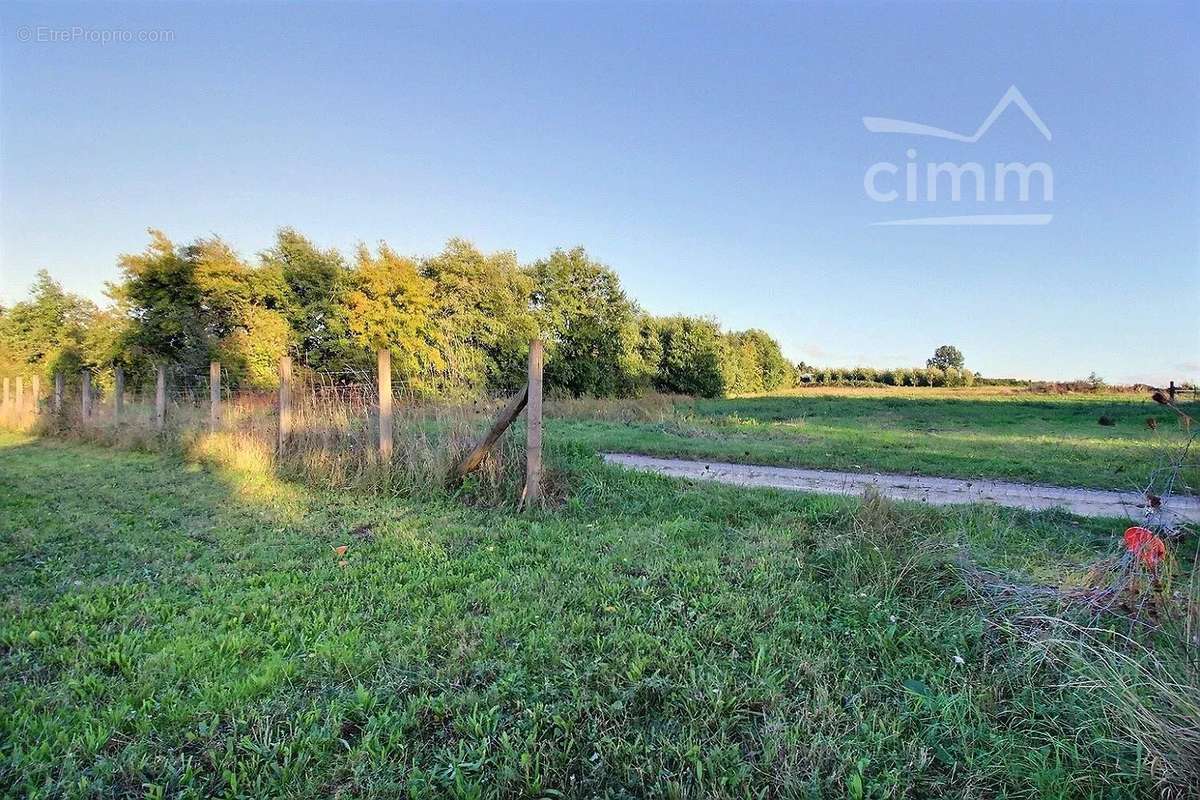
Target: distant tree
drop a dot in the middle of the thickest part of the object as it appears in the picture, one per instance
(187, 305)
(243, 312)
(777, 371)
(694, 352)
(649, 350)
(105, 338)
(945, 357)
(48, 331)
(741, 368)
(590, 326)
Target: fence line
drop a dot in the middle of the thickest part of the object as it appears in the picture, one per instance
(368, 397)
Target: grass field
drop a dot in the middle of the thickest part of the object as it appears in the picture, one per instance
(965, 433)
(179, 630)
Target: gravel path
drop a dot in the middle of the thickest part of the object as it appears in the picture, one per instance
(938, 491)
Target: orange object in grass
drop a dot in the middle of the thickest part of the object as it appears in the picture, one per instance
(1145, 545)
(340, 550)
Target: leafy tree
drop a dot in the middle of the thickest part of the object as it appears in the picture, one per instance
(945, 357)
(47, 332)
(312, 284)
(592, 329)
(187, 305)
(249, 353)
(389, 303)
(694, 353)
(229, 287)
(160, 293)
(458, 322)
(648, 348)
(756, 363)
(481, 309)
(742, 370)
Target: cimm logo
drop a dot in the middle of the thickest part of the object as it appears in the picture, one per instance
(1011, 182)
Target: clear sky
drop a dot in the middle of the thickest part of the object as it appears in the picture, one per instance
(714, 155)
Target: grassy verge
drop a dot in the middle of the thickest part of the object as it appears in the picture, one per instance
(171, 630)
(971, 433)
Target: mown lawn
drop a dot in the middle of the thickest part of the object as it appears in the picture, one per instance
(173, 630)
(971, 433)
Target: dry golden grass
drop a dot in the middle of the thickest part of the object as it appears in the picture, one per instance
(333, 441)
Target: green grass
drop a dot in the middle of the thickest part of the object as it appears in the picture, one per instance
(172, 630)
(1052, 439)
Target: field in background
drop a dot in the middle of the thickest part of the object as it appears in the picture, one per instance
(172, 630)
(980, 432)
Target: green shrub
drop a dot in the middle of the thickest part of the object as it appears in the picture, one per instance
(694, 354)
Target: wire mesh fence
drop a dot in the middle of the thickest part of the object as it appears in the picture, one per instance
(325, 427)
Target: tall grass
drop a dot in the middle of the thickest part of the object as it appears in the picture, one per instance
(1125, 643)
(1142, 694)
(1133, 682)
(333, 441)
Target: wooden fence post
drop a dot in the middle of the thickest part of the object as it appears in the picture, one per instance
(86, 393)
(20, 393)
(59, 391)
(285, 401)
(505, 418)
(214, 395)
(533, 426)
(160, 397)
(384, 364)
(119, 393)
(37, 394)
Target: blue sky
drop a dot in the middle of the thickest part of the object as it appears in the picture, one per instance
(714, 155)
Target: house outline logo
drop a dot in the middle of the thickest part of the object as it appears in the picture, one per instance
(934, 170)
(1013, 95)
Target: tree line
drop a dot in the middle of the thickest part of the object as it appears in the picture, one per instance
(458, 323)
(894, 376)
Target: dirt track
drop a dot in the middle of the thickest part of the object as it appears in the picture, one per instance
(938, 491)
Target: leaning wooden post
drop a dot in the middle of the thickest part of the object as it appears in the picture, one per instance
(285, 401)
(384, 364)
(59, 391)
(118, 393)
(20, 393)
(533, 426)
(160, 397)
(505, 418)
(214, 395)
(86, 394)
(37, 394)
